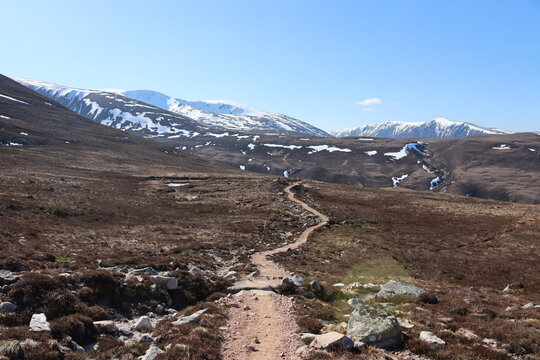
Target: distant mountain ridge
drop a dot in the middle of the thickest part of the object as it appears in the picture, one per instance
(436, 128)
(152, 113)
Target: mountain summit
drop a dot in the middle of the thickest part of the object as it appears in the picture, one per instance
(436, 128)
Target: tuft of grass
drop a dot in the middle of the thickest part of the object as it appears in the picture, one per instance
(60, 211)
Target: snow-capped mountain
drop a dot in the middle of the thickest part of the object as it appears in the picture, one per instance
(227, 114)
(151, 113)
(110, 107)
(436, 128)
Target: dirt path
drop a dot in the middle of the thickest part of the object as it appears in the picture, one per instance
(261, 324)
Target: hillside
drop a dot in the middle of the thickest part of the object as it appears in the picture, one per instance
(150, 113)
(114, 246)
(436, 128)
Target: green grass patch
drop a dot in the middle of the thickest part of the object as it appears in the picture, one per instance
(377, 271)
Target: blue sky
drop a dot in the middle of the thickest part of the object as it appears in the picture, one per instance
(476, 61)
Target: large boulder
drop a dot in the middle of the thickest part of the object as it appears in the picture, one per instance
(396, 287)
(39, 322)
(374, 326)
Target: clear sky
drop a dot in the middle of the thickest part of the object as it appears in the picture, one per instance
(472, 60)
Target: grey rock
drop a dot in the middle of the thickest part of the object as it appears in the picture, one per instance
(39, 323)
(106, 327)
(143, 271)
(7, 277)
(196, 270)
(189, 319)
(524, 307)
(298, 280)
(7, 307)
(152, 353)
(356, 303)
(396, 287)
(246, 284)
(230, 275)
(315, 286)
(146, 339)
(143, 324)
(332, 340)
(375, 326)
(432, 339)
(339, 285)
(170, 282)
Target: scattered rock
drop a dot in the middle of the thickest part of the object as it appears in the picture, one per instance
(514, 286)
(332, 340)
(298, 280)
(13, 207)
(8, 234)
(106, 327)
(375, 326)
(230, 275)
(170, 282)
(247, 284)
(339, 285)
(152, 353)
(196, 270)
(146, 270)
(7, 307)
(396, 287)
(529, 306)
(190, 319)
(315, 286)
(467, 334)
(144, 324)
(490, 342)
(7, 277)
(432, 339)
(146, 339)
(357, 285)
(39, 323)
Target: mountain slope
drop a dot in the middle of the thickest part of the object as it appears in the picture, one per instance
(109, 107)
(229, 115)
(436, 128)
(151, 114)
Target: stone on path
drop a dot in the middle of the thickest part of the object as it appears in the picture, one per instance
(247, 284)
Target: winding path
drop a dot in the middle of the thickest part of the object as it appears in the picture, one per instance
(261, 324)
